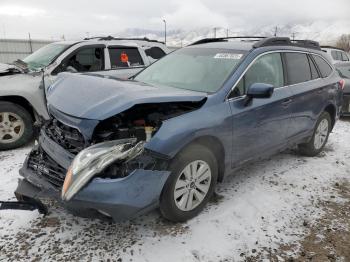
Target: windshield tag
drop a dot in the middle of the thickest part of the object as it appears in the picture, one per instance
(228, 56)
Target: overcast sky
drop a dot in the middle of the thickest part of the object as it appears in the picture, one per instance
(74, 18)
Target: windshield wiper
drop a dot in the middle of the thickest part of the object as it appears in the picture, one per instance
(21, 65)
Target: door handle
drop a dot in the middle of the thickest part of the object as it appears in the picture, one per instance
(287, 102)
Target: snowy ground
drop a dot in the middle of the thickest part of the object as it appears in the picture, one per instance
(267, 210)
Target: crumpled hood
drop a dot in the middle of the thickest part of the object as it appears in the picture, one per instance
(7, 69)
(99, 97)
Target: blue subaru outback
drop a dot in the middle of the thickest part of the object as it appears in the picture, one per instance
(119, 148)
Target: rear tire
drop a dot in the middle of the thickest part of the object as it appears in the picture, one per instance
(16, 126)
(319, 137)
(186, 192)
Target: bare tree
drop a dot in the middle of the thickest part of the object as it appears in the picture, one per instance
(344, 42)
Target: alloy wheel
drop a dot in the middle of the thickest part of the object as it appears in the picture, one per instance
(321, 134)
(11, 127)
(192, 185)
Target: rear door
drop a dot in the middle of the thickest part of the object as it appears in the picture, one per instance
(125, 61)
(259, 128)
(310, 91)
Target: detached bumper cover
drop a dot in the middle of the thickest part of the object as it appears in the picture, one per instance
(119, 198)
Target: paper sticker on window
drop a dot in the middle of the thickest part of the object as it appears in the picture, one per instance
(124, 57)
(228, 56)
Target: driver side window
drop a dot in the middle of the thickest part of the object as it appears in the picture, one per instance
(267, 69)
(89, 59)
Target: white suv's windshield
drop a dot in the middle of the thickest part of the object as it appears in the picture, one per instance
(197, 69)
(45, 55)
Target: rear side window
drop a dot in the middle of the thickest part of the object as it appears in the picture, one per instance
(298, 68)
(335, 55)
(125, 57)
(314, 73)
(344, 57)
(155, 52)
(323, 66)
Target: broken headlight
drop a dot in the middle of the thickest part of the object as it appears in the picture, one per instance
(94, 159)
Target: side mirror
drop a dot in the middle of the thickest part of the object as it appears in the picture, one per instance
(260, 90)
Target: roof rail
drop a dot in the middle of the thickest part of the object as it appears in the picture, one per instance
(273, 41)
(223, 39)
(332, 47)
(108, 38)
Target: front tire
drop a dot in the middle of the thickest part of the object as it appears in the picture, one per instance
(16, 126)
(319, 137)
(190, 185)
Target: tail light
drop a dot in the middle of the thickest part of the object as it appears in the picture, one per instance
(342, 84)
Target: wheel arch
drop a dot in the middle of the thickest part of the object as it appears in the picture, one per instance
(215, 146)
(21, 101)
(331, 110)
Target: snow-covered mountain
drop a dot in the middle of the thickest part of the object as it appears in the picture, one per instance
(325, 33)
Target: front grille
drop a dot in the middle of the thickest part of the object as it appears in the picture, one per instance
(67, 137)
(45, 167)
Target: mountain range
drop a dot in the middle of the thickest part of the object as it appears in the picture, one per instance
(325, 33)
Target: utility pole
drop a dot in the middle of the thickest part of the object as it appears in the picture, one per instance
(276, 29)
(215, 31)
(293, 36)
(164, 31)
(30, 44)
(227, 32)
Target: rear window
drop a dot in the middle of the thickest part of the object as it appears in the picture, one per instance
(298, 68)
(155, 52)
(322, 65)
(125, 57)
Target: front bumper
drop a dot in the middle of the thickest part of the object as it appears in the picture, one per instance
(119, 198)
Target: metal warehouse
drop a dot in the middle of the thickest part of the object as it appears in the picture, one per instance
(13, 49)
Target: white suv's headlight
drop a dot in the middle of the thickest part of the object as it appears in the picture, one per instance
(94, 159)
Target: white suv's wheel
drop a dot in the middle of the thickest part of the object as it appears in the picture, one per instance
(16, 126)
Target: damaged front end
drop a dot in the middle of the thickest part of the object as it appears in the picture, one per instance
(95, 159)
(109, 173)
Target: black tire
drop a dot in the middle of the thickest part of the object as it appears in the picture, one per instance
(27, 119)
(192, 153)
(309, 149)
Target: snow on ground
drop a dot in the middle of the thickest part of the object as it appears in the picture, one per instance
(263, 205)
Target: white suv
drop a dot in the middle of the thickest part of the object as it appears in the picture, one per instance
(23, 84)
(336, 55)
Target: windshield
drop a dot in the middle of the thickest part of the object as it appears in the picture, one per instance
(197, 69)
(45, 55)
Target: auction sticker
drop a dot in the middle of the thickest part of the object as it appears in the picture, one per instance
(228, 56)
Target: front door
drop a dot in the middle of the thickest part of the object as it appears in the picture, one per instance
(260, 127)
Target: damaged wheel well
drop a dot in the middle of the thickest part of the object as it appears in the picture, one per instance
(18, 100)
(214, 145)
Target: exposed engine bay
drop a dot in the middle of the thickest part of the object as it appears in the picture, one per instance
(141, 121)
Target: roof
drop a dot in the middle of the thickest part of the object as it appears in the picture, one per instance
(249, 42)
(234, 44)
(116, 41)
